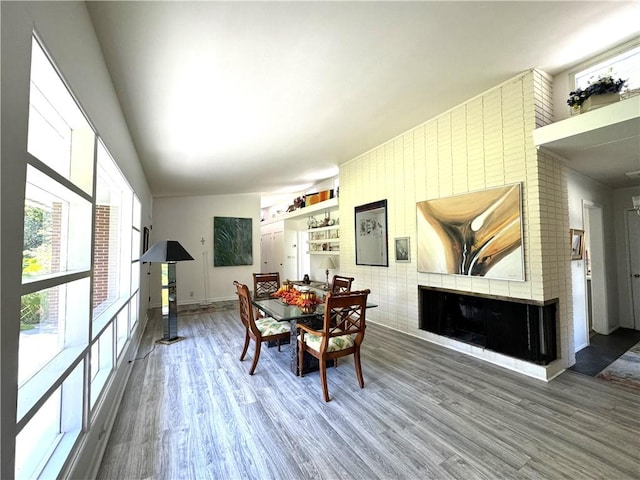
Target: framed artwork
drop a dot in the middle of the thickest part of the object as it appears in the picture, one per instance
(473, 234)
(577, 243)
(232, 241)
(371, 234)
(402, 250)
(145, 240)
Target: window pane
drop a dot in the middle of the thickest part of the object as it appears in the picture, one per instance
(137, 213)
(135, 276)
(112, 250)
(133, 312)
(37, 436)
(101, 362)
(56, 237)
(50, 321)
(135, 244)
(122, 329)
(52, 431)
(59, 134)
(625, 66)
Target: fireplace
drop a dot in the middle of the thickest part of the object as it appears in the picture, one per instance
(523, 329)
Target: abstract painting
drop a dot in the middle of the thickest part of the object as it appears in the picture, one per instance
(232, 241)
(473, 234)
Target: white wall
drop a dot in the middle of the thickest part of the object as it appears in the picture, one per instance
(190, 219)
(68, 34)
(485, 142)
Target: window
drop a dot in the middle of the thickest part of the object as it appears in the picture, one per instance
(79, 264)
(59, 135)
(101, 362)
(56, 239)
(111, 254)
(625, 65)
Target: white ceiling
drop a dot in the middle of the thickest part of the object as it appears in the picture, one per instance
(239, 97)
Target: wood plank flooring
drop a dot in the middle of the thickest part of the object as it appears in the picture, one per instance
(191, 411)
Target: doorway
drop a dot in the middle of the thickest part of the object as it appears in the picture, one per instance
(633, 245)
(595, 270)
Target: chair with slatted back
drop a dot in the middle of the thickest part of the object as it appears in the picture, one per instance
(341, 284)
(341, 335)
(264, 284)
(263, 329)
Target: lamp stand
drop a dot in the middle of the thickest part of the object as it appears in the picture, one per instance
(326, 284)
(170, 327)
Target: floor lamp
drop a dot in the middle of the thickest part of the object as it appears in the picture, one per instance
(169, 252)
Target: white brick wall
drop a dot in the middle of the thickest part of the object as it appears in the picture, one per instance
(484, 143)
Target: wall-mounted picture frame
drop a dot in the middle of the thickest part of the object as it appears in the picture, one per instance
(145, 240)
(402, 249)
(232, 241)
(478, 234)
(576, 237)
(371, 234)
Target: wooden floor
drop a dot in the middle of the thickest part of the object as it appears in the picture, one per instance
(191, 411)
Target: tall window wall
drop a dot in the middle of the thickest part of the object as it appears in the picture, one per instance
(80, 274)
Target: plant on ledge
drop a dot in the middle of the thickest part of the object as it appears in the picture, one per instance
(604, 84)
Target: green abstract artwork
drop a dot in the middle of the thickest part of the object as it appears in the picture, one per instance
(232, 241)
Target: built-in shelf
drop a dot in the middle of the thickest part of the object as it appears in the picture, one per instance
(324, 252)
(304, 212)
(328, 236)
(603, 144)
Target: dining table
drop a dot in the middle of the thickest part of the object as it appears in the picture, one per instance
(276, 308)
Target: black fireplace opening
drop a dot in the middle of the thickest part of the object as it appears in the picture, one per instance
(518, 328)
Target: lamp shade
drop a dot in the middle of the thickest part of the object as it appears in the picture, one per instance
(166, 251)
(328, 263)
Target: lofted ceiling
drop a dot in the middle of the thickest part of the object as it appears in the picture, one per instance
(269, 97)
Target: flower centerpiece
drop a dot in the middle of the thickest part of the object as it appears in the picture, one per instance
(604, 85)
(306, 300)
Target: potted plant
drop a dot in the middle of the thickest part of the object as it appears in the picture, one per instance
(576, 99)
(603, 91)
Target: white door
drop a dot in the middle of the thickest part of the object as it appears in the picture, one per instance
(272, 252)
(265, 252)
(277, 261)
(633, 235)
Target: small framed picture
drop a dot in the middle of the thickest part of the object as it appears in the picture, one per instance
(402, 250)
(577, 243)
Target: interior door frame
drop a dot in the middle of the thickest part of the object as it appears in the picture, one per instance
(593, 222)
(635, 319)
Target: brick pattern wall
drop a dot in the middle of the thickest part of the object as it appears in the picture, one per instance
(483, 143)
(101, 255)
(53, 313)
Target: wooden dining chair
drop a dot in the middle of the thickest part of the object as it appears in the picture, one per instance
(264, 284)
(341, 284)
(263, 329)
(341, 335)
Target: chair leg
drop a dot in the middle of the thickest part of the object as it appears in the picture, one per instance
(256, 356)
(356, 361)
(246, 345)
(300, 358)
(323, 379)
